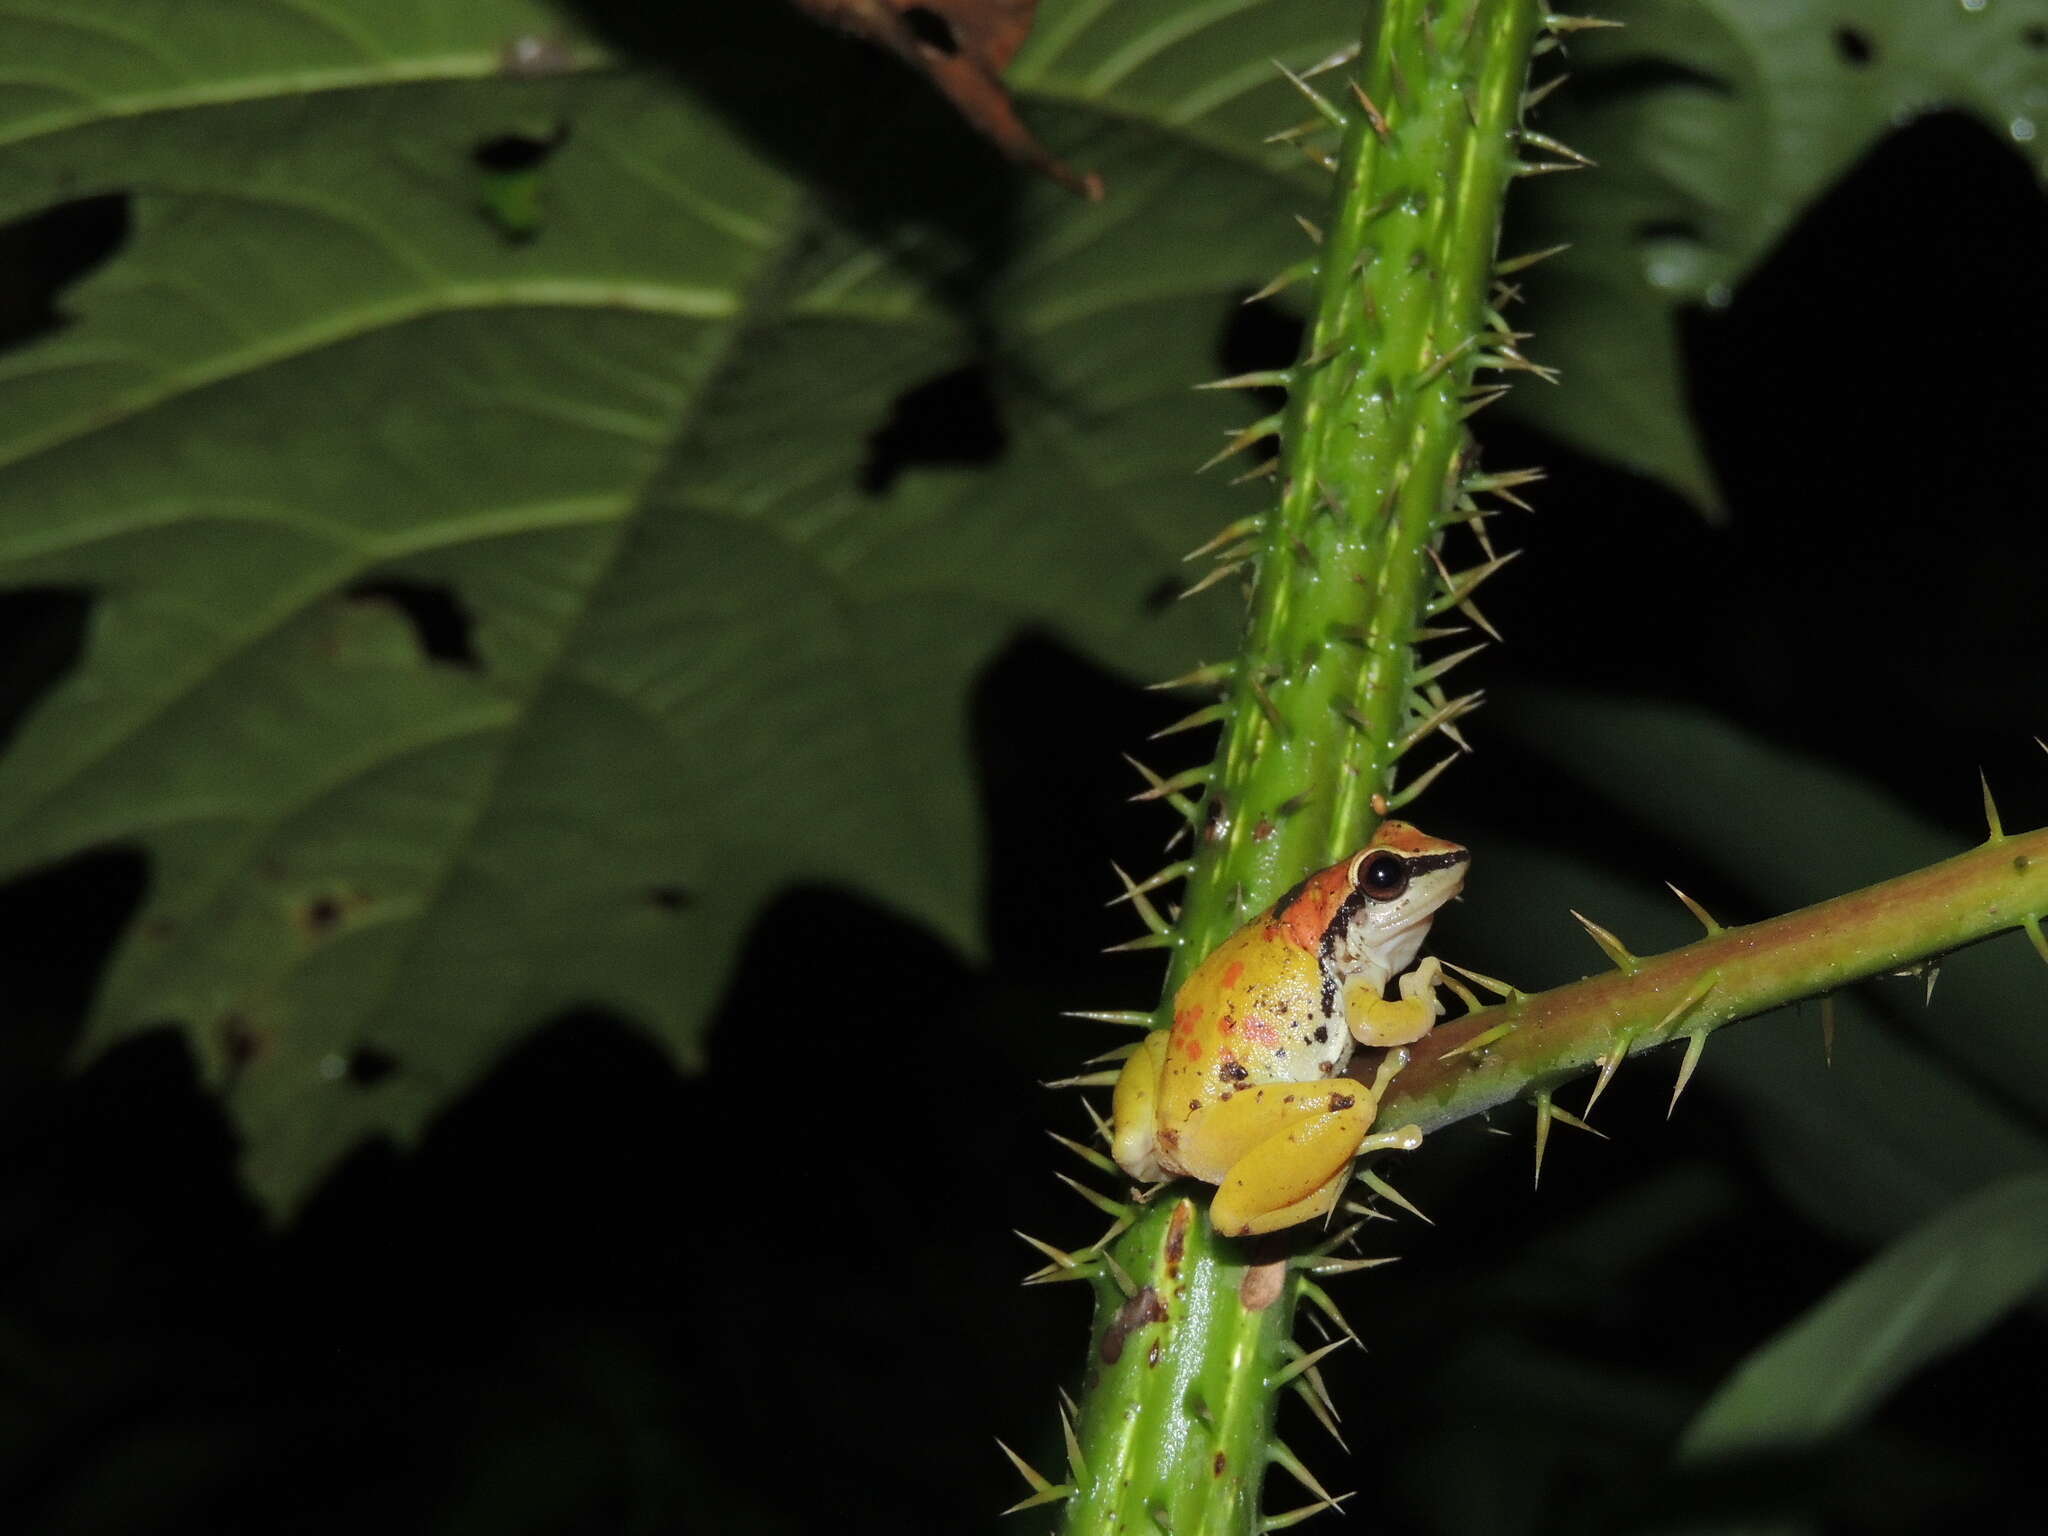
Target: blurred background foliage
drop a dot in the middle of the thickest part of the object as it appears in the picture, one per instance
(571, 583)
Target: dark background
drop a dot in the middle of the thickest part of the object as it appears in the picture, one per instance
(548, 1319)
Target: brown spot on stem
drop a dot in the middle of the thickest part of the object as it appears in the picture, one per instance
(1142, 1309)
(1177, 1237)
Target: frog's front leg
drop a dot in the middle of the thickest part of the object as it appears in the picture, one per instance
(1375, 1021)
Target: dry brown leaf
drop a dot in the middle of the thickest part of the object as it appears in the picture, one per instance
(961, 46)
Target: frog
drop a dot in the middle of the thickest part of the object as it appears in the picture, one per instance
(1244, 1089)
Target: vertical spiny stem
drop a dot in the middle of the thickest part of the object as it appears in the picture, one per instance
(1192, 1334)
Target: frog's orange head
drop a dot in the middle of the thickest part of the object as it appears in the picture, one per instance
(1395, 884)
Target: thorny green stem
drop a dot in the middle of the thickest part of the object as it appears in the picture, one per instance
(1731, 974)
(1192, 1339)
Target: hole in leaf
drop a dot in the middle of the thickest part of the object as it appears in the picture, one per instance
(508, 153)
(672, 898)
(47, 252)
(1853, 46)
(2035, 36)
(439, 621)
(42, 632)
(1258, 336)
(368, 1066)
(931, 29)
(951, 419)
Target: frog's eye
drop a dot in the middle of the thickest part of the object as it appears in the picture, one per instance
(1383, 876)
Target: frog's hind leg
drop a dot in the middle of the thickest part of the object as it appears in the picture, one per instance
(1297, 1172)
(1134, 1116)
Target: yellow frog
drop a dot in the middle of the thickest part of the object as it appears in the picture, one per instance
(1243, 1090)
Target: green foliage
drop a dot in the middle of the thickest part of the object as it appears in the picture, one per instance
(627, 448)
(1715, 123)
(1925, 1295)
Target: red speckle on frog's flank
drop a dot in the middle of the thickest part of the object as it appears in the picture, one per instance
(1231, 974)
(1261, 1031)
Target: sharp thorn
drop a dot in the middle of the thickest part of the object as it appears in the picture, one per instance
(1114, 1053)
(1695, 995)
(1560, 24)
(1499, 989)
(1439, 718)
(1545, 142)
(1319, 1404)
(1043, 1491)
(1373, 114)
(1991, 810)
(1535, 96)
(1207, 715)
(1166, 876)
(1294, 1517)
(1443, 664)
(1428, 777)
(1059, 1256)
(1110, 1208)
(1387, 1192)
(1516, 264)
(1142, 941)
(1088, 1155)
(1307, 1362)
(1328, 1267)
(1479, 1042)
(1077, 1468)
(1609, 1063)
(1201, 677)
(1264, 378)
(1135, 895)
(2040, 942)
(1335, 60)
(1325, 109)
(1542, 1136)
(1281, 1456)
(1480, 400)
(1695, 1045)
(1290, 276)
(1566, 1117)
(1137, 1018)
(1310, 228)
(1612, 947)
(1231, 535)
(1706, 918)
(1116, 1273)
(1087, 1080)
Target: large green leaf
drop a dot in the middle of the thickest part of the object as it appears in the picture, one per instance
(1927, 1294)
(628, 447)
(609, 420)
(1714, 124)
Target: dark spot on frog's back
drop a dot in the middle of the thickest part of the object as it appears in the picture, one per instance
(1322, 1034)
(1341, 1101)
(1141, 1310)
